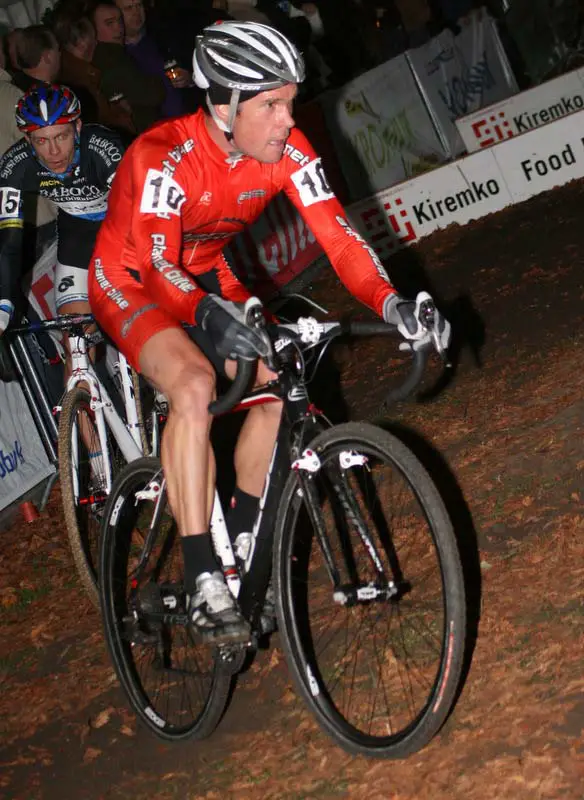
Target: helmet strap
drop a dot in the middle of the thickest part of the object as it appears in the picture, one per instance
(226, 127)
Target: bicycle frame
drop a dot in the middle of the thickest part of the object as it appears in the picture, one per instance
(301, 421)
(126, 434)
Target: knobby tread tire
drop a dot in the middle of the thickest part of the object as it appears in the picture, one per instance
(75, 398)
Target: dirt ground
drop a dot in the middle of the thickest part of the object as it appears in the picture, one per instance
(503, 440)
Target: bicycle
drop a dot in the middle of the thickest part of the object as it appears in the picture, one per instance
(96, 435)
(367, 578)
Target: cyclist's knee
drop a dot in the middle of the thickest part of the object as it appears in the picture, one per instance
(192, 391)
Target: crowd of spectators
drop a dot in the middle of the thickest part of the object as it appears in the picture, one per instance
(130, 60)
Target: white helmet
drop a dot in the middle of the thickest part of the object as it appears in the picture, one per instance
(244, 57)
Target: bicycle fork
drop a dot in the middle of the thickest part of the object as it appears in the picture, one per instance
(344, 501)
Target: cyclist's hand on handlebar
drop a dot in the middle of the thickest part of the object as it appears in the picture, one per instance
(225, 322)
(419, 321)
(6, 311)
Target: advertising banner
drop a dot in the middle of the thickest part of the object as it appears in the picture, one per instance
(381, 128)
(474, 186)
(23, 460)
(276, 248)
(523, 111)
(458, 192)
(459, 74)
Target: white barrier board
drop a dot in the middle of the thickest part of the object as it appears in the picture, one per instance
(23, 460)
(474, 186)
(460, 74)
(523, 112)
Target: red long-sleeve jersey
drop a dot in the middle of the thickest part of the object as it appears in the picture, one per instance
(175, 203)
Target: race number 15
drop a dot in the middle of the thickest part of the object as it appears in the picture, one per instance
(9, 202)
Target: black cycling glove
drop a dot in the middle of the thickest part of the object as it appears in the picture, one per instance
(224, 321)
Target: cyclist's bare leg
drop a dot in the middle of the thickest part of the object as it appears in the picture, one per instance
(256, 440)
(176, 366)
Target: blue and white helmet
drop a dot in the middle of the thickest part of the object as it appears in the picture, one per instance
(46, 104)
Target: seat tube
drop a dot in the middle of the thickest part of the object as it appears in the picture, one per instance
(223, 548)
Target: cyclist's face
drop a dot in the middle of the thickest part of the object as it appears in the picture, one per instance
(55, 145)
(264, 122)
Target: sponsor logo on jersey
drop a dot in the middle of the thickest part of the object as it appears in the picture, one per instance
(60, 193)
(16, 156)
(108, 150)
(206, 198)
(115, 295)
(253, 194)
(176, 155)
(225, 228)
(133, 317)
(170, 272)
(374, 257)
(296, 155)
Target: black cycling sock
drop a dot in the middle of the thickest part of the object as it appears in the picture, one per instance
(198, 556)
(242, 513)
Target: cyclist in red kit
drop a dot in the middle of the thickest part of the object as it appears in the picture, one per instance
(184, 189)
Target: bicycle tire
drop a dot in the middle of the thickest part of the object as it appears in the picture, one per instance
(133, 652)
(149, 423)
(328, 682)
(82, 520)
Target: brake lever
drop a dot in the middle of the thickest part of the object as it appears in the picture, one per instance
(254, 318)
(427, 317)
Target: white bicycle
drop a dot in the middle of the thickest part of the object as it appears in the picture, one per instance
(98, 433)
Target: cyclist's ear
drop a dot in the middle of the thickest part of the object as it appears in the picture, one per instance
(222, 112)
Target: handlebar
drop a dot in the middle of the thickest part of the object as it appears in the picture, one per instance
(310, 333)
(419, 358)
(241, 383)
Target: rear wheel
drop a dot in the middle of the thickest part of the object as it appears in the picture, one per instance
(178, 687)
(371, 605)
(82, 477)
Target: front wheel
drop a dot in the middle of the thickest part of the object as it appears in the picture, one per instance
(371, 597)
(178, 687)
